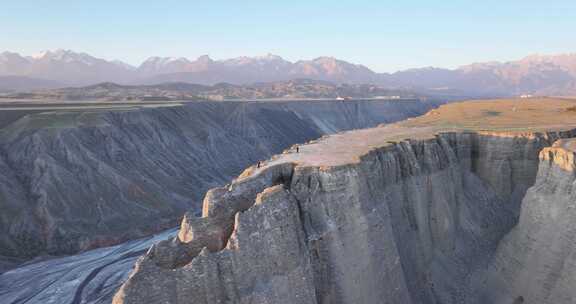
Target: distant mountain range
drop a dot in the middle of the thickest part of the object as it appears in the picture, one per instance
(541, 75)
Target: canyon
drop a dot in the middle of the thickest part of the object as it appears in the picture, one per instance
(286, 152)
(470, 203)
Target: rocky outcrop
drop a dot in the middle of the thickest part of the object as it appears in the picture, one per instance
(405, 222)
(536, 260)
(77, 179)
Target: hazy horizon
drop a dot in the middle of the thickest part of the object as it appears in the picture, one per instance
(385, 37)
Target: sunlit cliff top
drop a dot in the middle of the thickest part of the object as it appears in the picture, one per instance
(506, 117)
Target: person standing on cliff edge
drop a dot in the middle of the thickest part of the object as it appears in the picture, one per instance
(297, 149)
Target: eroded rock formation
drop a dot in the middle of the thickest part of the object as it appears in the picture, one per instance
(406, 222)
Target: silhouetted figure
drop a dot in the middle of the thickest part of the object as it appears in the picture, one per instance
(258, 164)
(519, 300)
(297, 149)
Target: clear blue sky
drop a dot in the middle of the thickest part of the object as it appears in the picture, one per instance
(383, 35)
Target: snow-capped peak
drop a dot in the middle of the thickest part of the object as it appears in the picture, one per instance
(159, 61)
(7, 56)
(66, 56)
(40, 55)
(269, 57)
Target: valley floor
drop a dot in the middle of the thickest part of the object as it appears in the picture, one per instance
(90, 277)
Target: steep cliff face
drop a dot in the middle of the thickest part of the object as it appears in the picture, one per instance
(77, 179)
(536, 261)
(409, 222)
